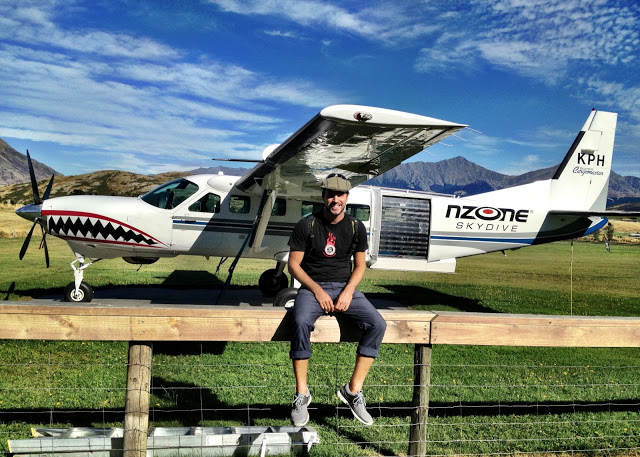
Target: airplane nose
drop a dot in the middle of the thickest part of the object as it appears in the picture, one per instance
(30, 212)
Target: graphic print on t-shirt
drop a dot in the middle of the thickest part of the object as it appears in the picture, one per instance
(330, 247)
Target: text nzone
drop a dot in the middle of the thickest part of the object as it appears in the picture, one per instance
(490, 217)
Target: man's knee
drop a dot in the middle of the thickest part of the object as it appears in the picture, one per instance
(381, 325)
(378, 327)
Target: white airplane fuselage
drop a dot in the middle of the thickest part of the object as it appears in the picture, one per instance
(407, 229)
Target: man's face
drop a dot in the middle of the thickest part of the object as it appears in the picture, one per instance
(335, 201)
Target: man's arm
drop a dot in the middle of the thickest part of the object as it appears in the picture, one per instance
(344, 299)
(295, 259)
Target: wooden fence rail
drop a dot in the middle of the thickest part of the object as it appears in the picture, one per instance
(142, 324)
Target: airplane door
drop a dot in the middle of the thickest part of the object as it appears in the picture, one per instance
(402, 231)
(404, 227)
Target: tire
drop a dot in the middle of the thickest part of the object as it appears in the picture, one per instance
(85, 293)
(286, 297)
(270, 285)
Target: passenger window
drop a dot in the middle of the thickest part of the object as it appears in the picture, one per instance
(210, 203)
(361, 212)
(279, 207)
(239, 204)
(310, 207)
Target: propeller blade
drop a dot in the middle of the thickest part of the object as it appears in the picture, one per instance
(34, 183)
(44, 243)
(48, 189)
(26, 241)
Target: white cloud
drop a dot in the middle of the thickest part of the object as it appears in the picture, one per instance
(280, 33)
(381, 22)
(541, 38)
(525, 164)
(34, 25)
(613, 94)
(84, 90)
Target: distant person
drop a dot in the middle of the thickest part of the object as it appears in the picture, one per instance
(321, 248)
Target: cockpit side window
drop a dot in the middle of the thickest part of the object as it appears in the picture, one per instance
(239, 204)
(310, 207)
(210, 203)
(171, 194)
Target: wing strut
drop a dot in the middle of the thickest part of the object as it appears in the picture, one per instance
(265, 197)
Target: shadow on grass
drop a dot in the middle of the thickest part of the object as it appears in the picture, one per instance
(203, 287)
(9, 291)
(191, 402)
(189, 347)
(425, 298)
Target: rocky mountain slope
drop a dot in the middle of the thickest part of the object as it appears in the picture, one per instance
(14, 168)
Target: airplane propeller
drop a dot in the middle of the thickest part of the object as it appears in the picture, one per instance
(34, 211)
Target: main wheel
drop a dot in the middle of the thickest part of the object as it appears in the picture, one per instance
(286, 297)
(270, 284)
(84, 294)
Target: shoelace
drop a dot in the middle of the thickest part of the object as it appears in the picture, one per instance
(297, 401)
(359, 400)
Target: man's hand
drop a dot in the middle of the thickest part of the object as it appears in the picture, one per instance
(344, 300)
(324, 300)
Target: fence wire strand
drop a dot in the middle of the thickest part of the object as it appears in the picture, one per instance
(581, 406)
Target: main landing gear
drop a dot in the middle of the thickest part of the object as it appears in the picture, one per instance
(274, 282)
(286, 297)
(79, 291)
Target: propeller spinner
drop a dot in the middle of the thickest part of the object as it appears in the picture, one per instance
(33, 212)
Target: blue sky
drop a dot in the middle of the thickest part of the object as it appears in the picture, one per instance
(151, 86)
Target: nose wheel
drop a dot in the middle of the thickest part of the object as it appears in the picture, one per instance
(84, 293)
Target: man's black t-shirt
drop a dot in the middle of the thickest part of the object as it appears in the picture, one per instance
(326, 254)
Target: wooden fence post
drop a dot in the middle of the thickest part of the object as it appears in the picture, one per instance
(420, 402)
(136, 415)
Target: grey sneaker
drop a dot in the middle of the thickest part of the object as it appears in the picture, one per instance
(299, 413)
(356, 403)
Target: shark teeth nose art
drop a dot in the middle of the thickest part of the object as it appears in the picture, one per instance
(69, 224)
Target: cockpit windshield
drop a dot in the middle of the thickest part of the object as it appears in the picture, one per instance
(171, 194)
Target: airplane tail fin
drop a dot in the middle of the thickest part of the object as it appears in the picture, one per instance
(581, 182)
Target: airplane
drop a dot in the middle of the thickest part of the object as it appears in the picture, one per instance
(253, 215)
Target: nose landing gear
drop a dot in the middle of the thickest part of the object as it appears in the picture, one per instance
(79, 291)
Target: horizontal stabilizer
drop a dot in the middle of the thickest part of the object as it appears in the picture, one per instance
(605, 213)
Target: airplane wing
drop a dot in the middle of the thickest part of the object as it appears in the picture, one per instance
(359, 142)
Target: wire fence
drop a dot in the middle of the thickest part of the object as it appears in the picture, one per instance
(482, 400)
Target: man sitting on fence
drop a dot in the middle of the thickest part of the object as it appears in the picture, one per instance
(321, 248)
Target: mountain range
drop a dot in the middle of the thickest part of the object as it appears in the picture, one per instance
(451, 176)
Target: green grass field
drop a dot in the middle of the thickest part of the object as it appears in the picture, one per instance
(491, 400)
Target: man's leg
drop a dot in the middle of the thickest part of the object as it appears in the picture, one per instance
(305, 312)
(362, 313)
(300, 367)
(360, 371)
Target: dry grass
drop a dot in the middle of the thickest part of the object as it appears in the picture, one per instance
(626, 226)
(12, 225)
